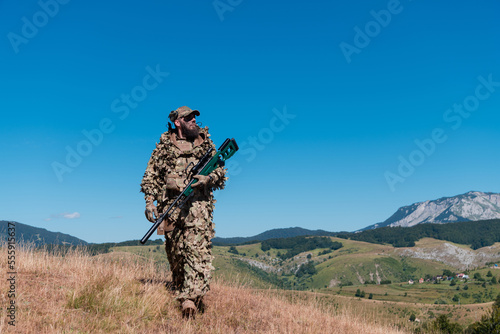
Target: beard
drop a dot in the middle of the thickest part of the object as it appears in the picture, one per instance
(190, 133)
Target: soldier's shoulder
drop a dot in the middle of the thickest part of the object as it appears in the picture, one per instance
(206, 136)
(204, 131)
(165, 137)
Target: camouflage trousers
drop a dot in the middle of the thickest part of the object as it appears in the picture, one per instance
(189, 250)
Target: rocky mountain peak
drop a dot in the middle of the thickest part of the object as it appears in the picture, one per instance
(471, 206)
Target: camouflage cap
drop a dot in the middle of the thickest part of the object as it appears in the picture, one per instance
(182, 112)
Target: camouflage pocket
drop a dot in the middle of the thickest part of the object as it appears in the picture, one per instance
(171, 184)
(180, 183)
(166, 226)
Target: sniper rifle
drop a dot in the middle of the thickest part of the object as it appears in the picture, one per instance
(205, 166)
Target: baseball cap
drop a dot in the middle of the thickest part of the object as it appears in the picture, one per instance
(182, 112)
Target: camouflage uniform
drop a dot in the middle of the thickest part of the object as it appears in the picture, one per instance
(189, 231)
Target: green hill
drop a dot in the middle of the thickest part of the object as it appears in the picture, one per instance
(382, 270)
(354, 263)
(342, 267)
(476, 234)
(271, 234)
(38, 236)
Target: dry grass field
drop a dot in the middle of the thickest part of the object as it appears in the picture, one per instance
(125, 293)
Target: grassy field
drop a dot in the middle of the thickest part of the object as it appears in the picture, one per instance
(121, 292)
(359, 262)
(350, 267)
(155, 253)
(427, 293)
(398, 313)
(355, 263)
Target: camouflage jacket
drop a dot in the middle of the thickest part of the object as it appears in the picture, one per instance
(167, 169)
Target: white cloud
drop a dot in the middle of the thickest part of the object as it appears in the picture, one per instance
(65, 215)
(71, 215)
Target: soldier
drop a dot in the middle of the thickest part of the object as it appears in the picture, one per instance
(188, 232)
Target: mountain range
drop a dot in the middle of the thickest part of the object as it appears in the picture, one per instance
(471, 206)
(38, 236)
(271, 234)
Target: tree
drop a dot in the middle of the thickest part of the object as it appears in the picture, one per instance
(306, 269)
(447, 272)
(233, 250)
(370, 296)
(494, 280)
(412, 317)
(489, 274)
(443, 324)
(490, 323)
(358, 293)
(453, 282)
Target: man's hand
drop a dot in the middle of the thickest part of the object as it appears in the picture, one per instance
(203, 181)
(151, 212)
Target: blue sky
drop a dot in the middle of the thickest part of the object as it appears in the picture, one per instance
(344, 111)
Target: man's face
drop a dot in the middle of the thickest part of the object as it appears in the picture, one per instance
(189, 121)
(188, 125)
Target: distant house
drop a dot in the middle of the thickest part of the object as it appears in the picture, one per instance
(421, 281)
(460, 275)
(466, 277)
(410, 282)
(439, 277)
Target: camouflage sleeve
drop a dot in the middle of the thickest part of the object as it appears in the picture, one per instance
(147, 180)
(149, 184)
(218, 178)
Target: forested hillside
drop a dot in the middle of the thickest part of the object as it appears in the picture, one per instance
(271, 234)
(38, 236)
(297, 245)
(476, 234)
